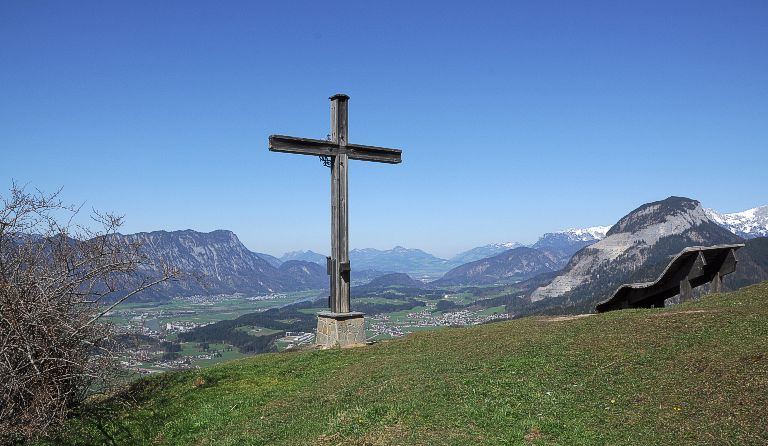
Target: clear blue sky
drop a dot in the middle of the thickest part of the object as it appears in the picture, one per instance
(515, 118)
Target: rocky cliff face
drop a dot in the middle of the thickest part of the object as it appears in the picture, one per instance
(218, 263)
(303, 274)
(635, 249)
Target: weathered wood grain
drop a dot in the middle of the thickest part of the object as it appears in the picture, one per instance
(319, 147)
(340, 152)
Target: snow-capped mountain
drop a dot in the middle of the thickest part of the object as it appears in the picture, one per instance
(591, 234)
(499, 262)
(482, 252)
(566, 243)
(635, 249)
(747, 224)
(587, 234)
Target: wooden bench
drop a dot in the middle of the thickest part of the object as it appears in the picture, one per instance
(691, 268)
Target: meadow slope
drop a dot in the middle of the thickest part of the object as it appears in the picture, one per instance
(691, 374)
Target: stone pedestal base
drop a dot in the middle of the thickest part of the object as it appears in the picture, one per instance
(340, 329)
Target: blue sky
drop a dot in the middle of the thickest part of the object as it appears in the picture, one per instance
(515, 118)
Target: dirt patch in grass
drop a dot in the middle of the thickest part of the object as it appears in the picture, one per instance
(566, 318)
(672, 313)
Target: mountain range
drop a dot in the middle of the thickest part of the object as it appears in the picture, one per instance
(218, 263)
(368, 262)
(412, 261)
(564, 244)
(307, 256)
(510, 266)
(635, 249)
(482, 252)
(421, 264)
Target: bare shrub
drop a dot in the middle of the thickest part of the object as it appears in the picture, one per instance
(57, 279)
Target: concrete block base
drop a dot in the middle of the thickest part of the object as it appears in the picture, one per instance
(340, 329)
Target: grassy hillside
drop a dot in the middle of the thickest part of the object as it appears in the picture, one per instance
(692, 374)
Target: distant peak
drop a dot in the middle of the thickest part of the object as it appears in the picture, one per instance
(593, 232)
(748, 224)
(686, 211)
(309, 251)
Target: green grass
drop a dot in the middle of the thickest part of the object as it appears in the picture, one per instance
(687, 375)
(226, 354)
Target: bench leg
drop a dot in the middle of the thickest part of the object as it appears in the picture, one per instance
(716, 286)
(686, 292)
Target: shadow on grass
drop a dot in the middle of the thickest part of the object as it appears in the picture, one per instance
(108, 420)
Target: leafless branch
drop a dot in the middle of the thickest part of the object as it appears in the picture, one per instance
(57, 281)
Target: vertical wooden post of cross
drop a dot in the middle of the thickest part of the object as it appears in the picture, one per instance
(340, 287)
(340, 326)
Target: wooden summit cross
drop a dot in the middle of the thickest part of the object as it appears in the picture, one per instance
(340, 326)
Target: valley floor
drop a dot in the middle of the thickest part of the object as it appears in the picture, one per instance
(690, 374)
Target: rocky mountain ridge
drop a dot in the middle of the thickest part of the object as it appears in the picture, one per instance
(399, 259)
(482, 252)
(635, 249)
(307, 256)
(510, 266)
(218, 263)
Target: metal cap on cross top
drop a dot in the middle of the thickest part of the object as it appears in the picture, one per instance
(339, 152)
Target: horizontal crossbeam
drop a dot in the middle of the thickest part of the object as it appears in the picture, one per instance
(319, 147)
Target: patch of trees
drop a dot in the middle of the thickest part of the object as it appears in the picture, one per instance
(447, 305)
(170, 347)
(371, 308)
(131, 341)
(401, 292)
(508, 300)
(485, 291)
(752, 266)
(170, 356)
(227, 331)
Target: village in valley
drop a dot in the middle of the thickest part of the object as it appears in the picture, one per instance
(149, 331)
